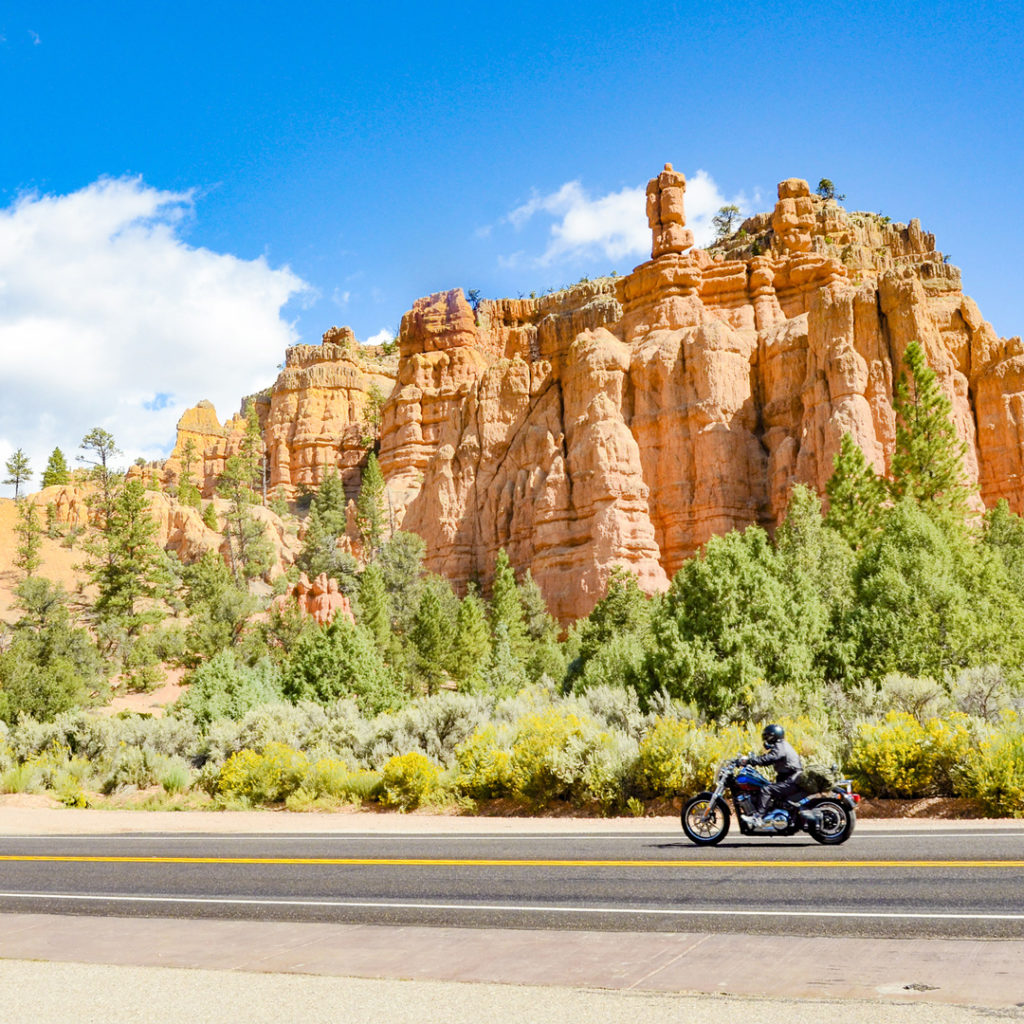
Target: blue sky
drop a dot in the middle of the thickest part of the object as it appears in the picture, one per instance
(340, 160)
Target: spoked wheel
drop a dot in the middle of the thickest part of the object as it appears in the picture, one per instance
(836, 823)
(703, 824)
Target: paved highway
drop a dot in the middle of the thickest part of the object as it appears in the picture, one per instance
(939, 883)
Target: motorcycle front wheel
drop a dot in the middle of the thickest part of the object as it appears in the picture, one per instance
(703, 824)
(837, 822)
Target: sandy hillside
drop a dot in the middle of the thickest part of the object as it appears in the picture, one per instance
(57, 561)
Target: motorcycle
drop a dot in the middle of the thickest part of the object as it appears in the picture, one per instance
(828, 813)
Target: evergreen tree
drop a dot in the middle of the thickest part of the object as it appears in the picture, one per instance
(370, 512)
(506, 606)
(726, 623)
(56, 471)
(218, 609)
(250, 454)
(1004, 535)
(210, 517)
(503, 673)
(52, 522)
(249, 552)
(132, 570)
(471, 647)
(401, 562)
(18, 471)
(374, 614)
(927, 463)
(51, 665)
(929, 601)
(101, 449)
(29, 538)
(624, 611)
(338, 661)
(855, 495)
(431, 638)
(325, 524)
(188, 492)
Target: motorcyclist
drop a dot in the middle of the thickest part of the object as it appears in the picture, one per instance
(780, 754)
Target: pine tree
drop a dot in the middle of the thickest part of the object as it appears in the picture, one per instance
(101, 448)
(188, 493)
(250, 453)
(431, 637)
(56, 471)
(927, 463)
(249, 552)
(326, 522)
(210, 517)
(370, 508)
(855, 495)
(471, 647)
(506, 607)
(18, 471)
(374, 614)
(29, 539)
(132, 571)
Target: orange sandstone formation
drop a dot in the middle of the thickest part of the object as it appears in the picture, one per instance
(624, 421)
(321, 599)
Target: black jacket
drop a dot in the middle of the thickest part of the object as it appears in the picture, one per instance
(783, 758)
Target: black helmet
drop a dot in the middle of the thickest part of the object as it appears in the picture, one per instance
(772, 734)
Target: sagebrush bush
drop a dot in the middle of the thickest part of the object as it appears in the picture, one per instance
(411, 780)
(433, 725)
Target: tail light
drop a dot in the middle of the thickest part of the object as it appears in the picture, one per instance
(855, 797)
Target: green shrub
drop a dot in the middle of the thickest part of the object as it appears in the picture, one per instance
(335, 779)
(174, 776)
(678, 757)
(225, 687)
(132, 767)
(410, 780)
(265, 778)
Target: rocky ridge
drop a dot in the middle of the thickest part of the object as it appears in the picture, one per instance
(624, 421)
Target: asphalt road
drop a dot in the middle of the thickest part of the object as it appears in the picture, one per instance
(952, 884)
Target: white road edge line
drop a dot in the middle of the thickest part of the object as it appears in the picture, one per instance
(519, 908)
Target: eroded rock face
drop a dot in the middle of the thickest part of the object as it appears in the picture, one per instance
(320, 599)
(321, 415)
(626, 421)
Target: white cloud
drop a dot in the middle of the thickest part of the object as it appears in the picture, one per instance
(109, 318)
(382, 336)
(614, 225)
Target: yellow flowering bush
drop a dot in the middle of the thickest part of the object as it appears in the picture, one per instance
(409, 780)
(264, 778)
(994, 773)
(483, 766)
(899, 757)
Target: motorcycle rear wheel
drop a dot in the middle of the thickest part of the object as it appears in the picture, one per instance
(703, 824)
(837, 822)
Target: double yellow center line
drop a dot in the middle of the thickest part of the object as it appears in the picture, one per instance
(453, 862)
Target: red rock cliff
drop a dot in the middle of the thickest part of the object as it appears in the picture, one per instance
(625, 421)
